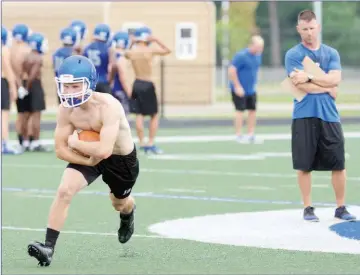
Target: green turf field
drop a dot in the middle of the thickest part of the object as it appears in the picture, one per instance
(251, 188)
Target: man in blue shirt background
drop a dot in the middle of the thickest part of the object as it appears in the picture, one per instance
(317, 137)
(243, 73)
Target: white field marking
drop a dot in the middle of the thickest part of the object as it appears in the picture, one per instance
(207, 138)
(276, 229)
(257, 187)
(318, 185)
(34, 196)
(14, 228)
(187, 172)
(226, 157)
(184, 190)
(206, 157)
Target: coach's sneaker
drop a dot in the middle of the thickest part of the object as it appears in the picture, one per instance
(309, 214)
(342, 214)
(126, 226)
(41, 252)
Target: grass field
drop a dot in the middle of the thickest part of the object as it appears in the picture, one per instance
(244, 197)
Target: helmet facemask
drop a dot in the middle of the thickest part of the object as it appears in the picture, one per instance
(73, 99)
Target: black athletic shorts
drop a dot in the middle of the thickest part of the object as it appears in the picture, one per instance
(37, 96)
(118, 172)
(245, 102)
(5, 95)
(103, 87)
(24, 105)
(34, 101)
(317, 145)
(143, 99)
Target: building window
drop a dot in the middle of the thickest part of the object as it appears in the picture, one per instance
(186, 41)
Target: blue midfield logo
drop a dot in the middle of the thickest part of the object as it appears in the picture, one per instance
(349, 230)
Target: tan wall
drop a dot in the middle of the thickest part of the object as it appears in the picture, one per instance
(185, 81)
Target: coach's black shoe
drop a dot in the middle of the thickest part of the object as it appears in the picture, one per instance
(41, 252)
(309, 214)
(342, 214)
(126, 227)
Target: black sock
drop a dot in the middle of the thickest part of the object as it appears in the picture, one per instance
(31, 138)
(21, 139)
(124, 216)
(51, 237)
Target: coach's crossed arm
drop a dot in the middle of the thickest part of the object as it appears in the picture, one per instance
(299, 78)
(333, 78)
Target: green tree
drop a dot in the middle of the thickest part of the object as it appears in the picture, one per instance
(242, 24)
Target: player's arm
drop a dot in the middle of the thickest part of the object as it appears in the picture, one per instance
(8, 71)
(333, 78)
(121, 67)
(164, 50)
(111, 73)
(34, 72)
(232, 71)
(62, 132)
(103, 149)
(128, 53)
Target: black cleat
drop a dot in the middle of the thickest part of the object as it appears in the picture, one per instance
(41, 252)
(126, 228)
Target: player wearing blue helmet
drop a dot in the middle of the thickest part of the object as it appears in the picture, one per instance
(143, 98)
(32, 67)
(81, 31)
(18, 51)
(113, 157)
(8, 92)
(120, 89)
(99, 53)
(68, 37)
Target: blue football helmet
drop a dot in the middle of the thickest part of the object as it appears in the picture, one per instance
(142, 34)
(21, 32)
(76, 69)
(121, 40)
(102, 32)
(80, 28)
(68, 36)
(4, 36)
(38, 43)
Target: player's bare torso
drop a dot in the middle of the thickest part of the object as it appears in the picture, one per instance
(30, 61)
(91, 117)
(18, 52)
(5, 54)
(141, 60)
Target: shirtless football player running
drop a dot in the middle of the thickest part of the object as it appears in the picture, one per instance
(114, 156)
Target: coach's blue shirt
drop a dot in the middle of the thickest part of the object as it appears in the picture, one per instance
(247, 66)
(314, 105)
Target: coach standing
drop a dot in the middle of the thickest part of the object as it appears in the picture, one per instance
(243, 73)
(317, 136)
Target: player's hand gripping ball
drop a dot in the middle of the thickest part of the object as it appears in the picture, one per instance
(85, 135)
